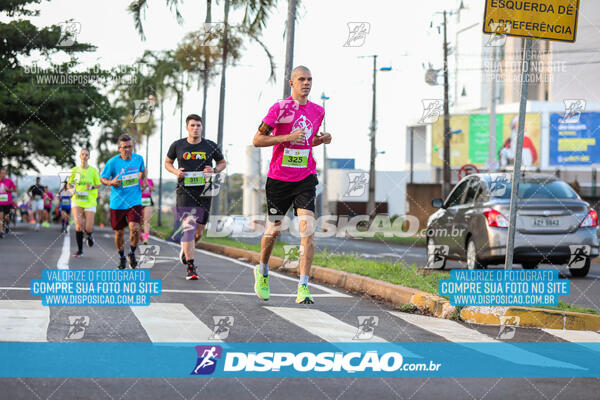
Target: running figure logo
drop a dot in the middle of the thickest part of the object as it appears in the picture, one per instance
(498, 38)
(579, 254)
(292, 252)
(573, 110)
(77, 325)
(148, 255)
(213, 185)
(143, 110)
(357, 34)
(498, 186)
(508, 327)
(287, 110)
(366, 327)
(223, 325)
(357, 184)
(436, 258)
(432, 109)
(207, 359)
(68, 33)
(210, 33)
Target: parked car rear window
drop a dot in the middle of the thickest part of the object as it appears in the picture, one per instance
(540, 190)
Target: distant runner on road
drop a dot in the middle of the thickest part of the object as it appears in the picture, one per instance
(7, 187)
(85, 182)
(36, 193)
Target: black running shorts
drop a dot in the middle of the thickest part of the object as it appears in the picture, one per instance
(281, 195)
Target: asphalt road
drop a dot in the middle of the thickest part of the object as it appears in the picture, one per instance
(225, 289)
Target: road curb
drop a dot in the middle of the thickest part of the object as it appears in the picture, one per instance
(532, 317)
(427, 303)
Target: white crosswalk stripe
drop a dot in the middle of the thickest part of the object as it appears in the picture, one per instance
(320, 324)
(172, 322)
(575, 336)
(455, 332)
(23, 321)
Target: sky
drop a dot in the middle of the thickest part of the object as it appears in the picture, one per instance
(400, 36)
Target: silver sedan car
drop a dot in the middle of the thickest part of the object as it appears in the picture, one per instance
(553, 225)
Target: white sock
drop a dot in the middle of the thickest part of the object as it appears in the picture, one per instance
(303, 280)
(264, 269)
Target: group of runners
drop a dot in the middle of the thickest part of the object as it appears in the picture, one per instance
(290, 126)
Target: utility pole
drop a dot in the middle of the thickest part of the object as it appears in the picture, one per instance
(162, 114)
(289, 47)
(371, 211)
(447, 172)
(492, 138)
(324, 198)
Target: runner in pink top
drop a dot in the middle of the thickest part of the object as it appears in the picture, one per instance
(287, 116)
(7, 186)
(148, 204)
(291, 127)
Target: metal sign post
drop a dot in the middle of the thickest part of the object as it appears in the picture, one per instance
(519, 150)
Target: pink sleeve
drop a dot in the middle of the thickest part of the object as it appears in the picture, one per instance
(272, 115)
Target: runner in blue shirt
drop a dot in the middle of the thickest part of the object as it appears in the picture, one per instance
(123, 173)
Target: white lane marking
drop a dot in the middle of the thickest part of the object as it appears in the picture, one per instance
(455, 332)
(321, 324)
(23, 321)
(63, 260)
(171, 322)
(252, 294)
(276, 274)
(449, 330)
(574, 336)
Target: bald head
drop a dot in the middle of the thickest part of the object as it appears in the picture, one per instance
(296, 70)
(301, 83)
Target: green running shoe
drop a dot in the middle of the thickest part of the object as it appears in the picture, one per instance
(261, 284)
(304, 296)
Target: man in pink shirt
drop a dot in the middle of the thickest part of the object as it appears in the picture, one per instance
(291, 127)
(7, 186)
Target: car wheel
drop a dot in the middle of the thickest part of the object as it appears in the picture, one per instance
(532, 265)
(473, 261)
(581, 272)
(432, 263)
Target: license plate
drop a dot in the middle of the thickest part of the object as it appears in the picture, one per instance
(546, 222)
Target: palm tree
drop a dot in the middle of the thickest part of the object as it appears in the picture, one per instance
(256, 13)
(165, 72)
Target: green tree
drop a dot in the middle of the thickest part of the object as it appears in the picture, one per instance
(46, 107)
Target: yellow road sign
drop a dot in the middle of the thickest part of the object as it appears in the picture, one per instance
(537, 19)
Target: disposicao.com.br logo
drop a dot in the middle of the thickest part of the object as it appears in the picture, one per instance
(317, 362)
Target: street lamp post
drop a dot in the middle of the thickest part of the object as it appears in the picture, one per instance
(371, 209)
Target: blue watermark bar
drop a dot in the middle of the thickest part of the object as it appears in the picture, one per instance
(282, 359)
(95, 287)
(502, 287)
